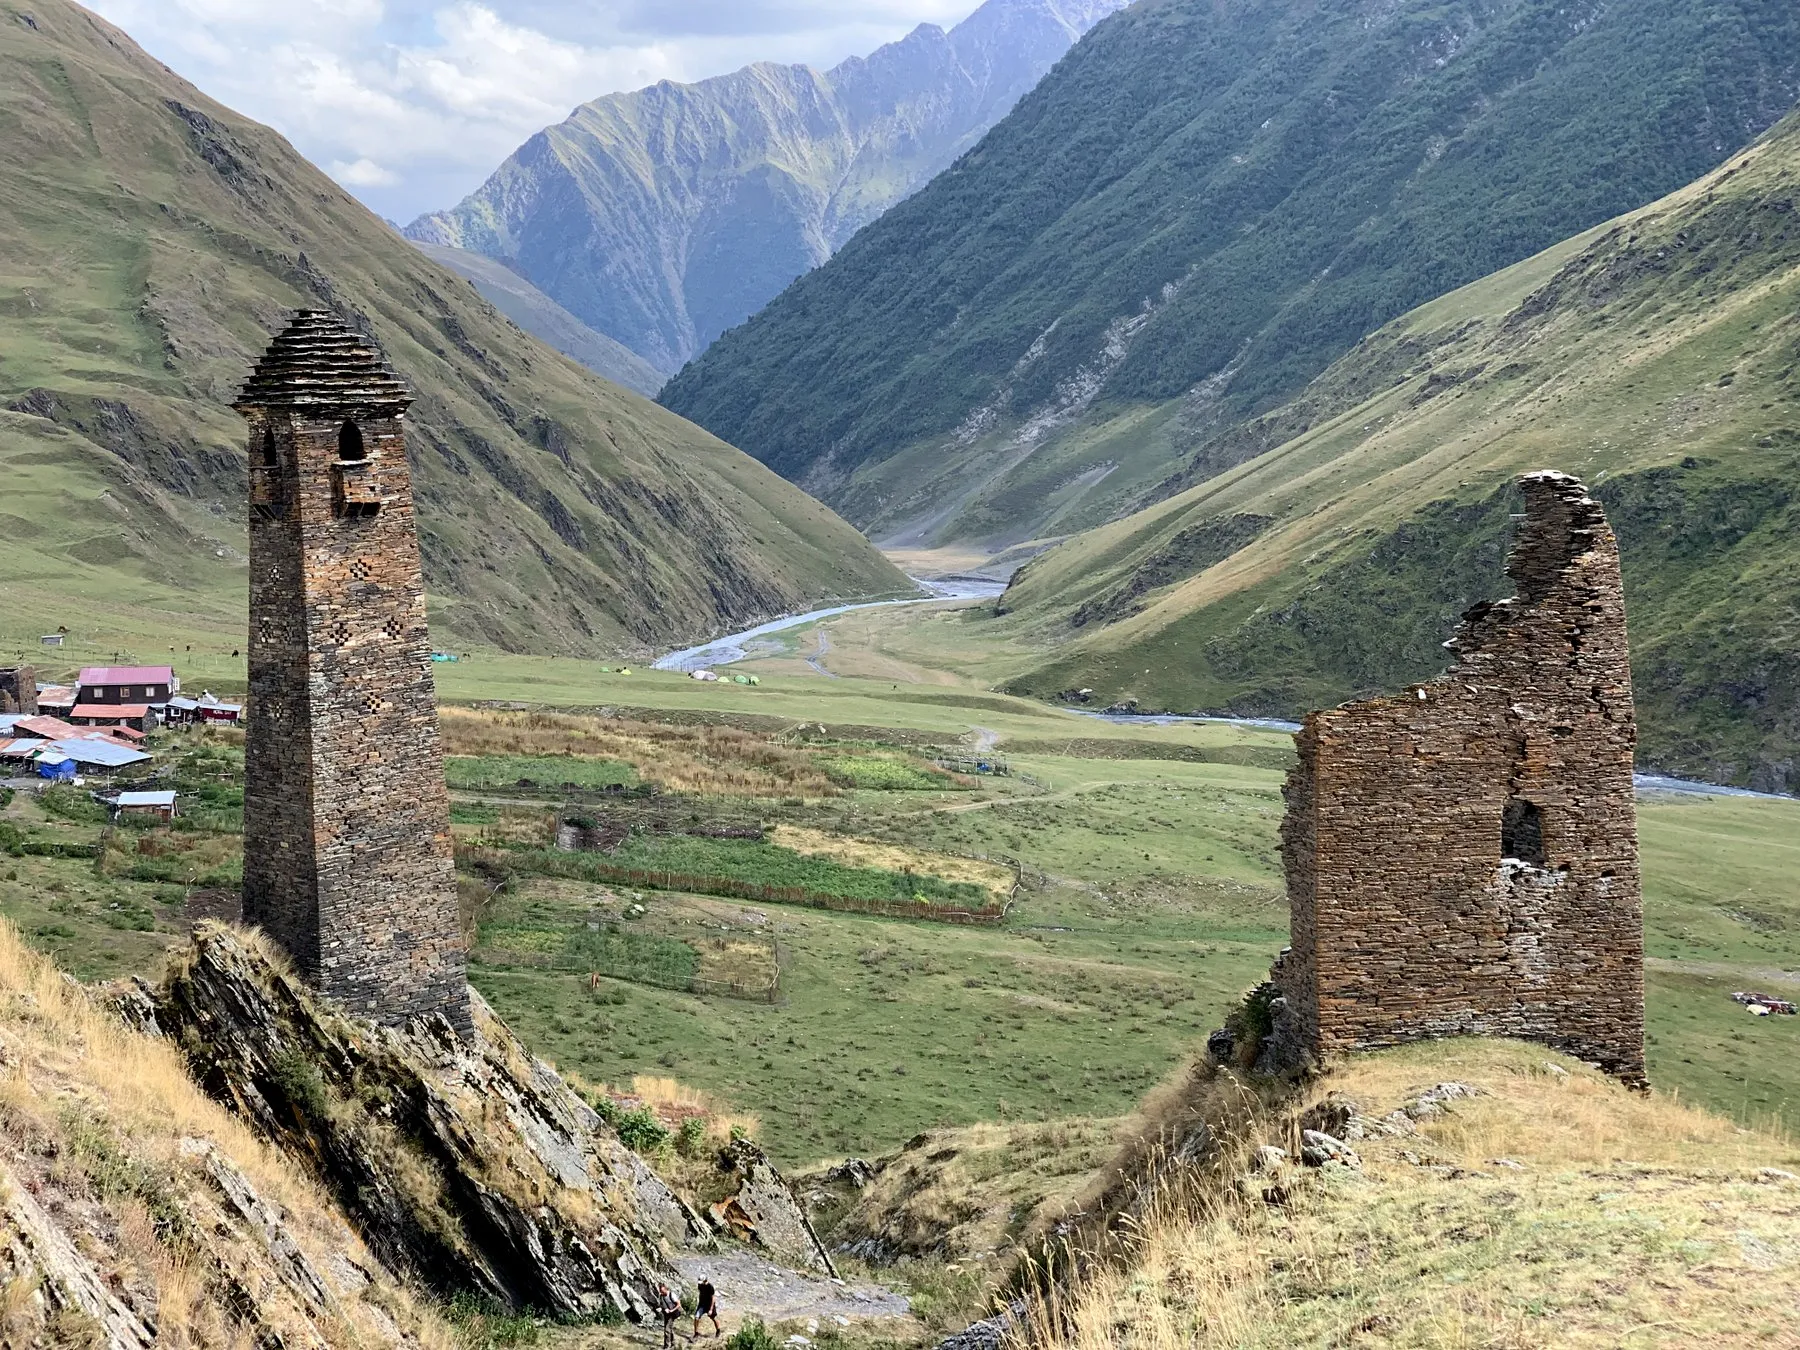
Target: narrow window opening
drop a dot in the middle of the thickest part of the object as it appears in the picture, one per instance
(350, 443)
(1522, 832)
(271, 457)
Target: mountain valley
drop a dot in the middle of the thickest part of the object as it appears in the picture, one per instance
(1190, 218)
(1657, 355)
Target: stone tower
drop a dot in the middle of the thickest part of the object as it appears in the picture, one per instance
(347, 859)
(1462, 858)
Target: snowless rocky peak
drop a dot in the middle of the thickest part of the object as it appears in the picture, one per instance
(664, 216)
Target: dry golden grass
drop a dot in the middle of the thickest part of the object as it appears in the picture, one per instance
(93, 1119)
(673, 1100)
(976, 1193)
(1556, 1208)
(995, 878)
(711, 760)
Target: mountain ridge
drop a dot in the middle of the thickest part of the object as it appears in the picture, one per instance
(665, 215)
(1194, 213)
(1656, 356)
(155, 241)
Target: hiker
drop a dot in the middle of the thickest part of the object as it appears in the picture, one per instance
(668, 1307)
(707, 1305)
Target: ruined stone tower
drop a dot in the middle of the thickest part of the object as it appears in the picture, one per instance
(347, 861)
(1462, 859)
(18, 689)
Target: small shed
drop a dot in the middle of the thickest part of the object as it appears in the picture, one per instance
(161, 805)
(51, 639)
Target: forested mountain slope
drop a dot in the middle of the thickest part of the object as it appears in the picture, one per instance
(664, 216)
(1657, 357)
(1200, 208)
(152, 241)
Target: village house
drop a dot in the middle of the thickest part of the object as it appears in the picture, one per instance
(29, 744)
(207, 710)
(127, 686)
(56, 700)
(135, 717)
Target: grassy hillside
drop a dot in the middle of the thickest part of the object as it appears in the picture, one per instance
(1193, 215)
(137, 1211)
(1550, 1207)
(1658, 357)
(150, 242)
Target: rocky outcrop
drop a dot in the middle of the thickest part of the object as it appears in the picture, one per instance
(764, 1211)
(135, 1212)
(466, 1164)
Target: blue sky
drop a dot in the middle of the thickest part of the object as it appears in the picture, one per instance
(411, 103)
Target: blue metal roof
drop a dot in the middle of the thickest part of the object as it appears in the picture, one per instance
(104, 753)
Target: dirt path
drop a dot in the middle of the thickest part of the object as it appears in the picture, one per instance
(818, 657)
(750, 1285)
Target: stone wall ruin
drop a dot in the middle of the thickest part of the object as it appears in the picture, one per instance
(347, 853)
(18, 690)
(1462, 859)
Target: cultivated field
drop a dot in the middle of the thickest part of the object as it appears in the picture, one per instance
(1144, 860)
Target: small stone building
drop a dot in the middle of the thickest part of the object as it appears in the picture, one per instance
(18, 690)
(347, 854)
(1462, 858)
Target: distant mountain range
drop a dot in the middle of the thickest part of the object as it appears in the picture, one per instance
(153, 241)
(1195, 213)
(664, 217)
(1657, 356)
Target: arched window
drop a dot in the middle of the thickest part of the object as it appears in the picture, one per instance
(1522, 832)
(271, 457)
(350, 443)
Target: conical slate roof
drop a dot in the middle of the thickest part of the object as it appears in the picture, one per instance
(320, 364)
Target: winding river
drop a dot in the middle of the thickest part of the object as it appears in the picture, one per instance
(724, 651)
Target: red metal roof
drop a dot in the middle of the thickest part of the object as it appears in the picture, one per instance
(127, 675)
(90, 712)
(50, 728)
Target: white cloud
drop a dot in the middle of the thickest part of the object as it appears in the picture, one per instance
(411, 103)
(363, 173)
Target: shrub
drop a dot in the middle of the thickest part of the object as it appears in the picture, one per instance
(690, 1139)
(72, 803)
(537, 771)
(640, 1130)
(483, 1324)
(882, 775)
(297, 1079)
(752, 1335)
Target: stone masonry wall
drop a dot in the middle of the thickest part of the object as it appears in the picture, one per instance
(347, 855)
(18, 689)
(1462, 858)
